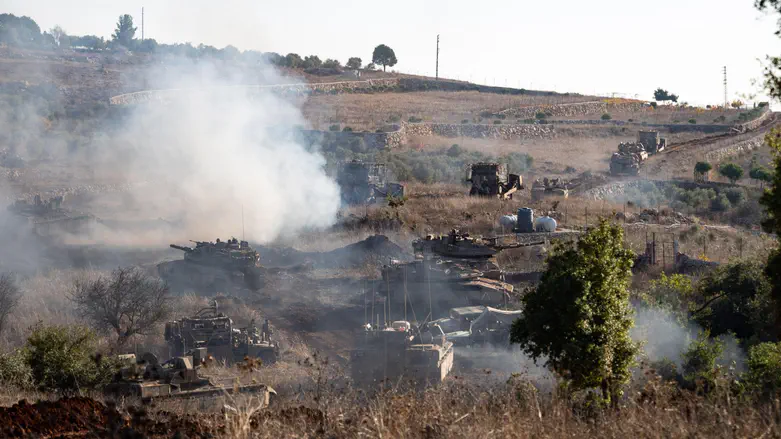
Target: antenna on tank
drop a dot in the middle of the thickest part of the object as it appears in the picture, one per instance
(242, 223)
(142, 23)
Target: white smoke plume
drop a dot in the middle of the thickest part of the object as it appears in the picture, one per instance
(220, 160)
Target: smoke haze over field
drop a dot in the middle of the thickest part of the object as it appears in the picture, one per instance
(218, 159)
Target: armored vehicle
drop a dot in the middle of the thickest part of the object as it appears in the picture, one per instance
(651, 141)
(628, 159)
(180, 377)
(364, 182)
(47, 218)
(454, 245)
(401, 353)
(477, 325)
(553, 187)
(440, 285)
(215, 332)
(215, 266)
(493, 179)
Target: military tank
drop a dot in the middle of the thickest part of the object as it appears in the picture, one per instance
(399, 352)
(179, 377)
(214, 266)
(215, 331)
(48, 218)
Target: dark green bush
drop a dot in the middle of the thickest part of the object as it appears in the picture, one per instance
(693, 121)
(394, 118)
(497, 122)
(334, 127)
(347, 129)
(65, 359)
(720, 203)
(414, 119)
(540, 115)
(735, 195)
(606, 116)
(764, 369)
(454, 150)
(465, 121)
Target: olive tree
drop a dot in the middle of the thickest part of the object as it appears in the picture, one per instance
(701, 169)
(732, 171)
(579, 317)
(127, 303)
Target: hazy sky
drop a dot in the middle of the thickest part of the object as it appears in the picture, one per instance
(601, 46)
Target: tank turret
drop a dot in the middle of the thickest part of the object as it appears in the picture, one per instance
(218, 264)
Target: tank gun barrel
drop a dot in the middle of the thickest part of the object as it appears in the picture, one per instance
(179, 247)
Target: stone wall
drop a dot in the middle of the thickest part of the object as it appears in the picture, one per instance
(481, 131)
(736, 149)
(670, 127)
(164, 96)
(572, 109)
(387, 139)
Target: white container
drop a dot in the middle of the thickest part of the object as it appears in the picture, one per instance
(545, 224)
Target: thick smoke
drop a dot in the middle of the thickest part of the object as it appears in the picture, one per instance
(219, 160)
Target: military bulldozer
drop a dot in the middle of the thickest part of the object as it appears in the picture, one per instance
(48, 218)
(401, 353)
(179, 377)
(214, 266)
(651, 141)
(629, 159)
(455, 245)
(493, 180)
(215, 332)
(553, 187)
(366, 183)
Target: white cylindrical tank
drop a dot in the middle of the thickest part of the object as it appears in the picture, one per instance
(545, 224)
(508, 221)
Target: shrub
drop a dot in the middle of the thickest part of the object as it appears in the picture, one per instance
(394, 118)
(63, 358)
(334, 127)
(347, 129)
(497, 122)
(486, 114)
(764, 369)
(761, 174)
(654, 104)
(699, 362)
(606, 116)
(454, 150)
(465, 121)
(414, 119)
(540, 115)
(720, 203)
(672, 294)
(529, 121)
(735, 195)
(693, 121)
(14, 370)
(702, 168)
(630, 120)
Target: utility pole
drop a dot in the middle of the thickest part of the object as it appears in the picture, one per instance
(436, 73)
(142, 23)
(726, 104)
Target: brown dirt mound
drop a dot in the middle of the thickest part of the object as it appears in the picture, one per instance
(51, 418)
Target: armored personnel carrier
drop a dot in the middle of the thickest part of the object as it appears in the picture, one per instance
(553, 187)
(628, 159)
(214, 266)
(366, 183)
(179, 377)
(400, 353)
(47, 218)
(438, 284)
(215, 332)
(493, 180)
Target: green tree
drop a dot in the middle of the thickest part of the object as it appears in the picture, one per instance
(384, 56)
(331, 64)
(311, 62)
(735, 298)
(293, 60)
(662, 95)
(701, 169)
(761, 174)
(671, 293)
(125, 31)
(731, 171)
(353, 63)
(579, 316)
(606, 116)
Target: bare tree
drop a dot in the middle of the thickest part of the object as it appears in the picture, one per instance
(9, 297)
(59, 34)
(127, 303)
